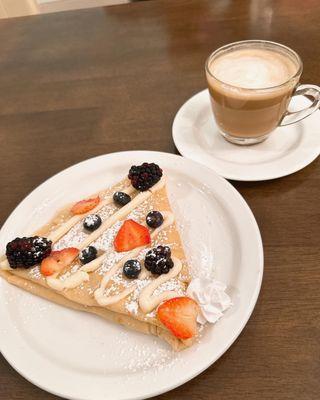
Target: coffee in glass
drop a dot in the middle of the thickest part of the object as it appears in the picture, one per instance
(251, 84)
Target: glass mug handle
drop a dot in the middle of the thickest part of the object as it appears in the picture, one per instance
(295, 116)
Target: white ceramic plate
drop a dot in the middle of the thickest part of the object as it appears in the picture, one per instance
(287, 150)
(79, 356)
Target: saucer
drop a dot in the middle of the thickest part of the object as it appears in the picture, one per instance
(287, 150)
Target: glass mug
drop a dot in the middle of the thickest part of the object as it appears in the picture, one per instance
(251, 84)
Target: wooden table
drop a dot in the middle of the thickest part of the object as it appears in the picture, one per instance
(78, 84)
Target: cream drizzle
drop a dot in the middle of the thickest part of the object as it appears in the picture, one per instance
(106, 300)
(63, 229)
(147, 302)
(69, 283)
(82, 275)
(77, 277)
(103, 299)
(121, 213)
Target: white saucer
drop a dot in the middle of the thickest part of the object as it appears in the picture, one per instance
(286, 151)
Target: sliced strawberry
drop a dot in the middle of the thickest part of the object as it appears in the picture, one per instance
(131, 235)
(179, 315)
(49, 266)
(84, 206)
(58, 260)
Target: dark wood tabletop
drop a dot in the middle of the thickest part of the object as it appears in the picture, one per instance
(78, 84)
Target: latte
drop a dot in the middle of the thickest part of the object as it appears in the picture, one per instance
(250, 87)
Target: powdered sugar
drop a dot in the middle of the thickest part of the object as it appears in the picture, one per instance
(144, 357)
(111, 259)
(104, 244)
(132, 307)
(35, 273)
(91, 220)
(105, 241)
(40, 240)
(132, 302)
(73, 238)
(140, 212)
(72, 270)
(173, 284)
(107, 211)
(77, 234)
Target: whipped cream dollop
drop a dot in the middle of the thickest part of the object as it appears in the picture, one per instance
(211, 296)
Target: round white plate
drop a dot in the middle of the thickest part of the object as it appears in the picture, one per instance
(79, 356)
(287, 150)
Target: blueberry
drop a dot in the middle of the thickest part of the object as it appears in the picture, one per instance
(92, 222)
(121, 198)
(88, 254)
(132, 269)
(154, 219)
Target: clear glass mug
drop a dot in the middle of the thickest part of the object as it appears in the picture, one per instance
(248, 116)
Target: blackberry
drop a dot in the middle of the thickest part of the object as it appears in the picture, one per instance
(121, 198)
(144, 176)
(158, 260)
(27, 251)
(88, 254)
(132, 269)
(92, 222)
(154, 219)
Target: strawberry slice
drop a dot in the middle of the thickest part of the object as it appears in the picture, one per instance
(58, 260)
(179, 315)
(84, 206)
(131, 235)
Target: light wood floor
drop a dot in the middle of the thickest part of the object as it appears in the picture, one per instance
(18, 8)
(62, 5)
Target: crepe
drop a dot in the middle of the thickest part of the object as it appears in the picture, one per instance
(100, 287)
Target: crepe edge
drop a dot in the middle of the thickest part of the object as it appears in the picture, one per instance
(118, 318)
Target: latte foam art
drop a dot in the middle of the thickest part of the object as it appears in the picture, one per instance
(253, 68)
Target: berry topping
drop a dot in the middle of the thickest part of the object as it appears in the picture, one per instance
(131, 235)
(58, 260)
(85, 206)
(92, 222)
(158, 260)
(121, 198)
(144, 176)
(154, 219)
(27, 251)
(132, 269)
(179, 315)
(88, 254)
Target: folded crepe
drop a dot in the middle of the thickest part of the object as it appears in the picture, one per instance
(101, 285)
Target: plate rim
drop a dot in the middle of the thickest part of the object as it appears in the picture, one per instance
(236, 177)
(246, 317)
